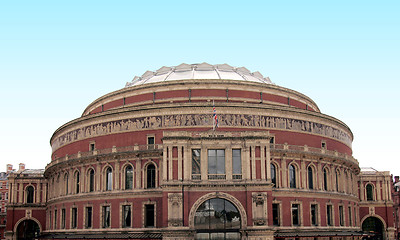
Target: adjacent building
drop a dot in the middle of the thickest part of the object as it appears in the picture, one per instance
(204, 152)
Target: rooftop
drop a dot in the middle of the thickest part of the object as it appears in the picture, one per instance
(199, 71)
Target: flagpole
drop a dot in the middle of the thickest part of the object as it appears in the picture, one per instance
(213, 116)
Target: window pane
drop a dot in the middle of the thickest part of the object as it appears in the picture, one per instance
(88, 217)
(236, 161)
(196, 164)
(273, 174)
(129, 177)
(295, 214)
(149, 215)
(106, 216)
(127, 216)
(292, 176)
(275, 214)
(151, 176)
(310, 178)
(109, 179)
(91, 180)
(314, 214)
(212, 161)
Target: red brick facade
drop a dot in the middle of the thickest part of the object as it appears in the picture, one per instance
(144, 163)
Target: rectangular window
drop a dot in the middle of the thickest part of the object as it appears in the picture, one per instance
(236, 164)
(216, 164)
(196, 164)
(126, 216)
(50, 220)
(150, 142)
(295, 214)
(89, 214)
(149, 215)
(275, 214)
(55, 219)
(329, 220)
(92, 147)
(350, 220)
(63, 218)
(341, 216)
(106, 216)
(314, 214)
(74, 217)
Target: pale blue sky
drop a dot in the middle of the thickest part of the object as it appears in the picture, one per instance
(56, 57)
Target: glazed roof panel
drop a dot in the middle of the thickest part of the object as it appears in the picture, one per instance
(198, 71)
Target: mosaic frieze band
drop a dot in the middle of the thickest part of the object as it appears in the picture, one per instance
(203, 120)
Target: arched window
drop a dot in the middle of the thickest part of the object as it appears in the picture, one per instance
(273, 174)
(109, 179)
(151, 176)
(325, 180)
(292, 176)
(337, 181)
(91, 180)
(66, 183)
(310, 178)
(370, 192)
(77, 182)
(217, 218)
(129, 177)
(29, 194)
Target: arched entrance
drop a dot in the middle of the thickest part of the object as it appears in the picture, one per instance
(375, 226)
(217, 219)
(27, 230)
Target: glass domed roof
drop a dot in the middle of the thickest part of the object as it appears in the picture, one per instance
(199, 71)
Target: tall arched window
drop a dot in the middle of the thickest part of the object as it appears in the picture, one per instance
(77, 182)
(109, 179)
(370, 192)
(292, 176)
(91, 180)
(129, 177)
(66, 183)
(310, 178)
(325, 180)
(151, 176)
(29, 194)
(273, 174)
(337, 181)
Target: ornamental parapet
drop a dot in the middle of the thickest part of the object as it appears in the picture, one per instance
(135, 149)
(313, 151)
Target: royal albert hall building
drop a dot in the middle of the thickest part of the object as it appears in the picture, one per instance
(200, 152)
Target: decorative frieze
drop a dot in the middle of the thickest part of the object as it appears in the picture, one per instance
(200, 120)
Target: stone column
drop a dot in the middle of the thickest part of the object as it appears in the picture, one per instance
(204, 164)
(98, 177)
(117, 175)
(38, 192)
(180, 162)
(170, 163)
(378, 191)
(268, 158)
(139, 173)
(284, 173)
(246, 162)
(164, 164)
(303, 174)
(228, 162)
(253, 162)
(187, 163)
(262, 153)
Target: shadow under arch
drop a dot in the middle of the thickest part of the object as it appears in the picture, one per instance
(27, 229)
(373, 225)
